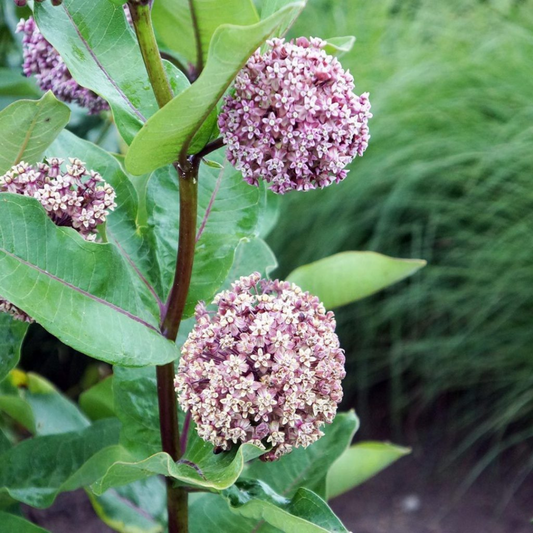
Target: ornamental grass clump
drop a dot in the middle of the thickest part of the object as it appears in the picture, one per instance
(265, 368)
(294, 119)
(52, 74)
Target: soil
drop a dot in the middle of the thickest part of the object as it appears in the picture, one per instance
(406, 498)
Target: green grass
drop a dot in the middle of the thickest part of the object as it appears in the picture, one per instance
(448, 177)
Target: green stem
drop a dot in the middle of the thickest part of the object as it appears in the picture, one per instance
(177, 497)
(142, 22)
(198, 39)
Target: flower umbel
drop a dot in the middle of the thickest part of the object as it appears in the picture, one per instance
(51, 73)
(294, 120)
(265, 368)
(77, 198)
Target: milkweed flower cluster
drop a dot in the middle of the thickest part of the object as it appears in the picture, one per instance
(52, 74)
(265, 368)
(294, 119)
(77, 198)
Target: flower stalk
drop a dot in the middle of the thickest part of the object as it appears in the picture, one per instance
(177, 497)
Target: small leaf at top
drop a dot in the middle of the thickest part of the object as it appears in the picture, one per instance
(28, 127)
(173, 22)
(350, 276)
(338, 46)
(171, 130)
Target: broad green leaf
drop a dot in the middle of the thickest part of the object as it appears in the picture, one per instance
(10, 523)
(306, 512)
(98, 402)
(199, 467)
(37, 405)
(307, 467)
(350, 276)
(135, 400)
(5, 443)
(52, 412)
(13, 84)
(136, 508)
(338, 46)
(12, 333)
(27, 127)
(211, 512)
(229, 211)
(359, 463)
(103, 57)
(173, 22)
(79, 291)
(171, 129)
(37, 470)
(252, 255)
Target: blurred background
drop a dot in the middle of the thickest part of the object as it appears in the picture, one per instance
(442, 362)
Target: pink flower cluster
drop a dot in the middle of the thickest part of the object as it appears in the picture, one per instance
(294, 120)
(77, 198)
(264, 368)
(51, 73)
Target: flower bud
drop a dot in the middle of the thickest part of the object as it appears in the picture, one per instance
(265, 368)
(294, 120)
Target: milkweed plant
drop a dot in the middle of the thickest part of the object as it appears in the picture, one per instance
(221, 411)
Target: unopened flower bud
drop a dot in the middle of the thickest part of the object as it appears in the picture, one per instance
(21, 3)
(294, 120)
(265, 368)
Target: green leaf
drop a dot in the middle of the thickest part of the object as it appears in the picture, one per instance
(338, 46)
(103, 57)
(15, 524)
(12, 333)
(173, 22)
(350, 276)
(171, 129)
(13, 84)
(307, 467)
(199, 467)
(211, 512)
(135, 400)
(136, 508)
(304, 513)
(252, 255)
(52, 412)
(229, 211)
(359, 463)
(27, 127)
(37, 470)
(98, 402)
(85, 298)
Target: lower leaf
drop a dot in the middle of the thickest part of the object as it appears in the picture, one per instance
(37, 470)
(304, 513)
